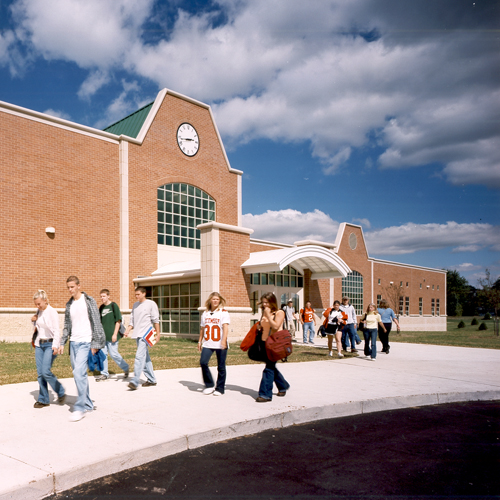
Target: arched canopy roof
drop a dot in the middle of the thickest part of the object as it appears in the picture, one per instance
(323, 263)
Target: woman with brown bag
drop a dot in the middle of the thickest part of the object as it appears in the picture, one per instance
(271, 322)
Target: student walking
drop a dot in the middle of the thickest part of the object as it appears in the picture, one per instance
(335, 319)
(111, 319)
(82, 326)
(271, 321)
(214, 329)
(371, 320)
(387, 315)
(308, 321)
(144, 315)
(47, 340)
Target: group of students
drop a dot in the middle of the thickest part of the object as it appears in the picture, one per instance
(89, 330)
(341, 323)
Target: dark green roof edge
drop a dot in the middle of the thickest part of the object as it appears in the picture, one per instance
(130, 125)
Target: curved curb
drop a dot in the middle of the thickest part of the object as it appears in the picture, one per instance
(57, 483)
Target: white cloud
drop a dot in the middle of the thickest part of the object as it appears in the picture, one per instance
(288, 226)
(411, 238)
(57, 114)
(466, 267)
(466, 248)
(290, 70)
(363, 222)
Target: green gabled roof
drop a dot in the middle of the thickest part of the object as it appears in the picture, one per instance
(130, 125)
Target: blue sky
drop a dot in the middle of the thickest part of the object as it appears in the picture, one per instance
(383, 113)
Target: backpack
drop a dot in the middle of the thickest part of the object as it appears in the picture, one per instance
(279, 345)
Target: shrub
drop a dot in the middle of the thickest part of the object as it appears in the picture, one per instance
(482, 326)
(487, 316)
(461, 324)
(474, 322)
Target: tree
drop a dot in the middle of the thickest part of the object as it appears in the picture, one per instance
(490, 297)
(457, 292)
(392, 294)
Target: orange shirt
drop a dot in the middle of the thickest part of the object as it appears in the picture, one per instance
(307, 315)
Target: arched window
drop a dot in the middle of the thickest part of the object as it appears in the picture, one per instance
(352, 286)
(182, 207)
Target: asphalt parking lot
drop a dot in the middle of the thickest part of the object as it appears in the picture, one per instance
(443, 451)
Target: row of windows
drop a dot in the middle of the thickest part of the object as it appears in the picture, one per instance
(289, 277)
(407, 284)
(352, 287)
(178, 305)
(404, 306)
(181, 208)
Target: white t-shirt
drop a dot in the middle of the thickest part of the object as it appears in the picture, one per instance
(81, 329)
(333, 316)
(212, 323)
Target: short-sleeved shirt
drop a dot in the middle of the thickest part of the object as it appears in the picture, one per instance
(110, 314)
(212, 322)
(372, 320)
(307, 315)
(387, 315)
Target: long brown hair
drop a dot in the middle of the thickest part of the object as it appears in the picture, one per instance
(271, 298)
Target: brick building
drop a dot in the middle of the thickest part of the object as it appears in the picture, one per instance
(153, 200)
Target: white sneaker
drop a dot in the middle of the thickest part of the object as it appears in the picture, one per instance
(76, 416)
(217, 393)
(373, 359)
(330, 353)
(208, 390)
(341, 355)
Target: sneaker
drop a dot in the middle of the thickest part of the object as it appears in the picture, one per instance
(101, 377)
(125, 375)
(76, 416)
(373, 359)
(217, 393)
(208, 390)
(262, 400)
(281, 394)
(312, 343)
(330, 353)
(148, 384)
(132, 386)
(354, 350)
(40, 405)
(61, 399)
(341, 355)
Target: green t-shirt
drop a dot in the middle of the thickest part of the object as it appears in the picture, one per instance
(110, 314)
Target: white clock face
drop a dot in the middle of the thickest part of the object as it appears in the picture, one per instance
(188, 140)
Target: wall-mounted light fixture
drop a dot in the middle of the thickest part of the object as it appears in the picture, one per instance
(50, 232)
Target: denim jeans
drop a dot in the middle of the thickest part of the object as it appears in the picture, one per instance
(349, 333)
(310, 327)
(80, 364)
(44, 359)
(269, 375)
(370, 337)
(206, 354)
(143, 363)
(111, 349)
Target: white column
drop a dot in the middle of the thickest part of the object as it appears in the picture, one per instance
(209, 262)
(124, 227)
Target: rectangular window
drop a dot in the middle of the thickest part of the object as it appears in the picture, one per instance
(433, 287)
(420, 306)
(420, 286)
(254, 300)
(437, 307)
(379, 298)
(438, 287)
(433, 307)
(407, 306)
(379, 281)
(401, 284)
(407, 284)
(401, 305)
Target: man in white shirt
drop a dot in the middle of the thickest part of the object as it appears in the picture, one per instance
(82, 326)
(144, 314)
(349, 329)
(290, 318)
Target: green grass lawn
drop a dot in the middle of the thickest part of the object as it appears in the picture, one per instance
(17, 360)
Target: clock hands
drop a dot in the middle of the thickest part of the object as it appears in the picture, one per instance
(186, 139)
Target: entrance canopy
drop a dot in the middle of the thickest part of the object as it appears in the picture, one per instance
(322, 263)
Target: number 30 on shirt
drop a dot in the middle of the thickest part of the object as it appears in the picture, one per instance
(212, 332)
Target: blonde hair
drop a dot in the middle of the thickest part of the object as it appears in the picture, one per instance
(208, 303)
(374, 309)
(41, 294)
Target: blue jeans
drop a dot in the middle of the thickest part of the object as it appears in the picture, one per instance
(80, 364)
(44, 359)
(310, 327)
(370, 337)
(269, 375)
(143, 363)
(349, 333)
(206, 354)
(111, 349)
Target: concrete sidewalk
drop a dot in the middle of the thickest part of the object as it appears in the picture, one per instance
(41, 452)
